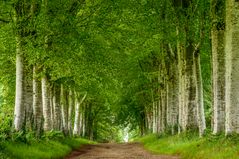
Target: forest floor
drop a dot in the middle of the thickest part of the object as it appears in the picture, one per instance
(115, 151)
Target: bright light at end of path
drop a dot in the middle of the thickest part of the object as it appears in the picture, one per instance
(126, 137)
(126, 134)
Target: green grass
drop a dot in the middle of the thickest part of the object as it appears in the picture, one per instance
(41, 149)
(191, 147)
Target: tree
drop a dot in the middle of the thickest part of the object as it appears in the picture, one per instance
(218, 62)
(21, 20)
(231, 63)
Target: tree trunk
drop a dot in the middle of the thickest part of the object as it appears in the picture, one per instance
(163, 104)
(71, 105)
(77, 120)
(169, 104)
(78, 116)
(191, 123)
(182, 117)
(159, 118)
(218, 57)
(56, 107)
(175, 101)
(153, 118)
(37, 103)
(232, 65)
(218, 66)
(51, 106)
(84, 120)
(81, 122)
(199, 95)
(180, 84)
(19, 111)
(28, 102)
(64, 110)
(46, 104)
(149, 122)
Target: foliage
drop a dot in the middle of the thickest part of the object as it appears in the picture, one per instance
(51, 135)
(6, 122)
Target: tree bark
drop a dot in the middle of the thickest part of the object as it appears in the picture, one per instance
(199, 95)
(37, 103)
(46, 104)
(64, 110)
(182, 117)
(232, 65)
(51, 106)
(28, 102)
(77, 122)
(169, 104)
(83, 120)
(56, 107)
(19, 111)
(175, 101)
(163, 104)
(154, 117)
(71, 105)
(190, 93)
(218, 58)
(218, 66)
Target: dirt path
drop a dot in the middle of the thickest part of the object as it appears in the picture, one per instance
(115, 151)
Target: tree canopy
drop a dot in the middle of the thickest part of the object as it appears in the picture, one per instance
(145, 65)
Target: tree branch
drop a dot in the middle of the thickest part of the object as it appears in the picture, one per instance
(196, 48)
(82, 99)
(171, 49)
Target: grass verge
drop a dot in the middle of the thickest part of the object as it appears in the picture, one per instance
(44, 149)
(190, 147)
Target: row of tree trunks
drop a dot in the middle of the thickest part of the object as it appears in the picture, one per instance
(48, 108)
(180, 103)
(225, 59)
(40, 104)
(41, 107)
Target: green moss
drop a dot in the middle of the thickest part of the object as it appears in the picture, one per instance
(190, 147)
(42, 149)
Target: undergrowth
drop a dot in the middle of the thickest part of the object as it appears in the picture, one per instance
(52, 145)
(190, 146)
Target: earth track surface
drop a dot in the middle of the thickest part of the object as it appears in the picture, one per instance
(115, 151)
